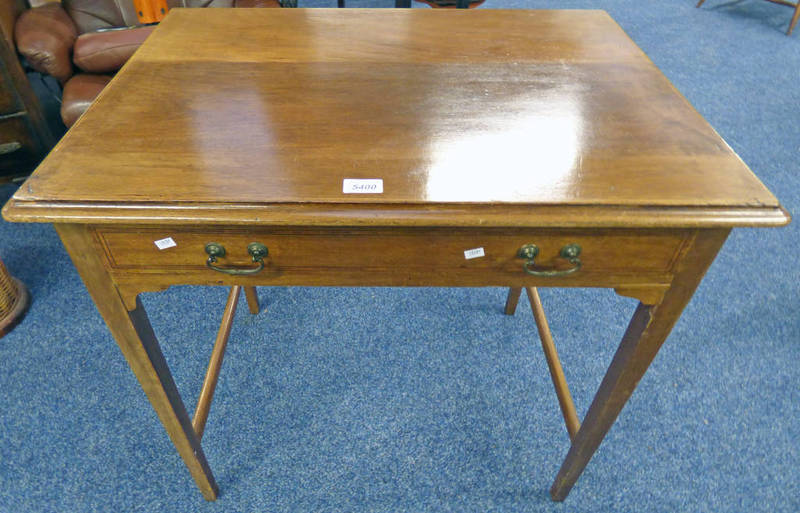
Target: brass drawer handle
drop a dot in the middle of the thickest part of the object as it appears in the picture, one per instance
(255, 249)
(571, 252)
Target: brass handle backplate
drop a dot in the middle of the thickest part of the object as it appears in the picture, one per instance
(255, 249)
(570, 252)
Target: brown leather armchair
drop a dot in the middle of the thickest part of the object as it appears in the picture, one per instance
(81, 43)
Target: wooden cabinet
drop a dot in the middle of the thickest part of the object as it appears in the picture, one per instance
(25, 137)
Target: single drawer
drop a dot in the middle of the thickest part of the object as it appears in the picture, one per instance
(403, 256)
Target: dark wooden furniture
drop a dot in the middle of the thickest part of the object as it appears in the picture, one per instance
(559, 153)
(25, 137)
(793, 5)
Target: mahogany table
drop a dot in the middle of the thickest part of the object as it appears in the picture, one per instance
(392, 148)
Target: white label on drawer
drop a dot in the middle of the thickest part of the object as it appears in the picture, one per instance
(474, 253)
(362, 186)
(165, 243)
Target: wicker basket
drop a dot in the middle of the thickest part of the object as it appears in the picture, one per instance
(13, 300)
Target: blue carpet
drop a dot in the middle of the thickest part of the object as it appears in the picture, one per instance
(342, 399)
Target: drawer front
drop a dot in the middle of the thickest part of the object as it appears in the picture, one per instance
(377, 256)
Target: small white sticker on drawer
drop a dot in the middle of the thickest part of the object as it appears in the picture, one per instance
(474, 253)
(165, 243)
(362, 186)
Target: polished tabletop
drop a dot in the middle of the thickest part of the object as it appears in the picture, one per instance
(271, 107)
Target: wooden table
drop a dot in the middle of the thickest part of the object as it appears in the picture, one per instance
(490, 130)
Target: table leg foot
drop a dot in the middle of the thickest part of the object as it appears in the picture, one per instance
(136, 339)
(647, 330)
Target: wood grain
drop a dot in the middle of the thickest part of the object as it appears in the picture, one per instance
(511, 300)
(215, 364)
(646, 332)
(556, 129)
(368, 214)
(565, 402)
(391, 257)
(252, 300)
(563, 109)
(139, 345)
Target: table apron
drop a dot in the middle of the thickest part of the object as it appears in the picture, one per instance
(387, 256)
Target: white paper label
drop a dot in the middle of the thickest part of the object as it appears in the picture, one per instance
(165, 243)
(362, 186)
(474, 253)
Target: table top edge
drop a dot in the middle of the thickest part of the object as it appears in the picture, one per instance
(409, 215)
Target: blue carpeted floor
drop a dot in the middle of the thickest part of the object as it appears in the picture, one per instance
(432, 400)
